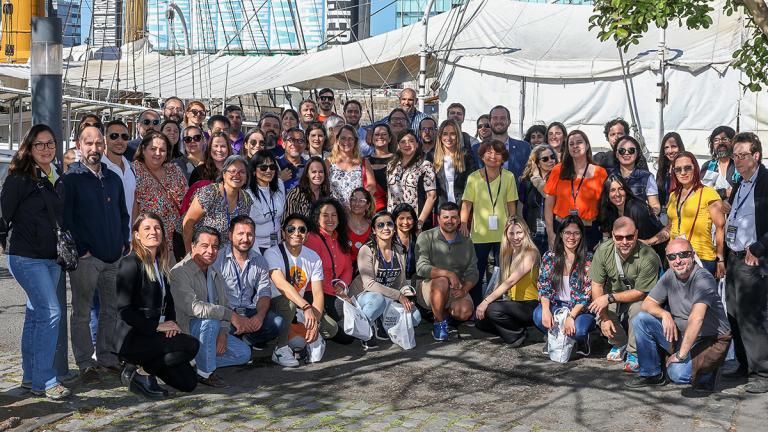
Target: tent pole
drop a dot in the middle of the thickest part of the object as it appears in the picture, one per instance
(662, 88)
(423, 57)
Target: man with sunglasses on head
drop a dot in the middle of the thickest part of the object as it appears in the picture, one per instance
(291, 164)
(623, 271)
(116, 138)
(149, 120)
(293, 268)
(325, 98)
(683, 319)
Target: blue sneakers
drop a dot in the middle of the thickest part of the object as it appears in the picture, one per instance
(440, 330)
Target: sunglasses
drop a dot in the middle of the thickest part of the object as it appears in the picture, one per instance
(382, 225)
(484, 126)
(326, 98)
(114, 135)
(197, 112)
(147, 122)
(681, 255)
(290, 229)
(552, 158)
(686, 168)
(195, 138)
(627, 151)
(619, 238)
(267, 167)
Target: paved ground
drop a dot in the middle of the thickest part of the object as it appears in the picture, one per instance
(470, 383)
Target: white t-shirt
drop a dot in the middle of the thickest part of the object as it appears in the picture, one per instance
(128, 177)
(267, 214)
(564, 293)
(304, 269)
(450, 174)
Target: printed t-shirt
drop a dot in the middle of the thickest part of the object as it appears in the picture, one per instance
(304, 269)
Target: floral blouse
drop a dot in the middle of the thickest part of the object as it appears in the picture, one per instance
(403, 184)
(212, 201)
(580, 289)
(344, 182)
(163, 199)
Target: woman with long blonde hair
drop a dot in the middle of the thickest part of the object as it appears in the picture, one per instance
(453, 164)
(508, 309)
(540, 163)
(347, 169)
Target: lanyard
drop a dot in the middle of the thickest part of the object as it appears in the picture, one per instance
(575, 193)
(237, 275)
(741, 203)
(498, 190)
(226, 205)
(272, 208)
(333, 262)
(679, 209)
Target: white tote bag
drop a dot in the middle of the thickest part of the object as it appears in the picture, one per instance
(398, 323)
(560, 344)
(355, 322)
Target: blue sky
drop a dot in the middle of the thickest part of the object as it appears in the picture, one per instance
(383, 21)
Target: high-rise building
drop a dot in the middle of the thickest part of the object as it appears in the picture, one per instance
(107, 23)
(69, 14)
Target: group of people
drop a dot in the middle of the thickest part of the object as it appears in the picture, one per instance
(198, 242)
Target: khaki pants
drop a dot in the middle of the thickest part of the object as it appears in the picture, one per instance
(286, 309)
(423, 295)
(623, 312)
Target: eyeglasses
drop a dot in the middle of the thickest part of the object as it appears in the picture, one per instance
(358, 201)
(41, 145)
(236, 172)
(681, 255)
(114, 135)
(197, 112)
(619, 238)
(741, 156)
(681, 169)
(721, 140)
(195, 138)
(296, 141)
(381, 225)
(397, 119)
(326, 98)
(267, 167)
(552, 158)
(484, 126)
(624, 151)
(290, 229)
(428, 129)
(147, 122)
(571, 233)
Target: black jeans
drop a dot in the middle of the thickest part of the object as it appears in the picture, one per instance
(482, 251)
(508, 319)
(166, 358)
(746, 296)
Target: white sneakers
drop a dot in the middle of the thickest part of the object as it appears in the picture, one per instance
(284, 357)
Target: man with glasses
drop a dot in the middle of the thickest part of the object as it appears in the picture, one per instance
(623, 271)
(116, 138)
(307, 113)
(720, 172)
(325, 99)
(746, 239)
(96, 216)
(173, 109)
(427, 133)
(235, 115)
(149, 120)
(683, 319)
(292, 162)
(518, 150)
(293, 268)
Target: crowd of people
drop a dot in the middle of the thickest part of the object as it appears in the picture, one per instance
(199, 242)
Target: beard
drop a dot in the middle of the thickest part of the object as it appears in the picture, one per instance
(499, 131)
(93, 159)
(722, 151)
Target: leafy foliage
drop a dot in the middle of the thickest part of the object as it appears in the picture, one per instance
(625, 22)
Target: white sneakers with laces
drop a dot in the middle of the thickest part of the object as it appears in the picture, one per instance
(284, 357)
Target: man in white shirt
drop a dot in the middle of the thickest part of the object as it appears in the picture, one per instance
(116, 137)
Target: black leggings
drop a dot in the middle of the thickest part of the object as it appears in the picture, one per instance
(166, 358)
(508, 319)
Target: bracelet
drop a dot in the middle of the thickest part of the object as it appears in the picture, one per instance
(677, 355)
(306, 306)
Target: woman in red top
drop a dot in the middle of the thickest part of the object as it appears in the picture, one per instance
(328, 238)
(361, 210)
(574, 188)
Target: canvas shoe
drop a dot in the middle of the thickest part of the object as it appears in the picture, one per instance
(284, 357)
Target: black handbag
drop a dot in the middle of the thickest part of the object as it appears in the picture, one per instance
(66, 249)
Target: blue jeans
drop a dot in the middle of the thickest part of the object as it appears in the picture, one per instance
(270, 328)
(373, 305)
(206, 331)
(39, 278)
(584, 322)
(650, 335)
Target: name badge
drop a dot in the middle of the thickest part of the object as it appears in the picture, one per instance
(730, 234)
(273, 239)
(541, 227)
(162, 319)
(493, 222)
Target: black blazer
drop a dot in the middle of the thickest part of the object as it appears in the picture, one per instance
(459, 180)
(760, 195)
(139, 301)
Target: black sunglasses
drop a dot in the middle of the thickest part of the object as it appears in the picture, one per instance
(623, 151)
(196, 138)
(548, 158)
(681, 255)
(147, 122)
(114, 135)
(326, 98)
(484, 126)
(290, 229)
(267, 167)
(381, 225)
(619, 238)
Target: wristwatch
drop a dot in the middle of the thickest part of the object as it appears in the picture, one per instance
(611, 299)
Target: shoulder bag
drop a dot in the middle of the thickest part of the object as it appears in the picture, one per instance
(66, 249)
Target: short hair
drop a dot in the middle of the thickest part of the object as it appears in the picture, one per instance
(496, 145)
(176, 98)
(218, 118)
(305, 101)
(623, 222)
(408, 89)
(506, 110)
(537, 128)
(297, 130)
(82, 129)
(292, 217)
(115, 122)
(748, 137)
(148, 111)
(614, 122)
(205, 229)
(325, 90)
(232, 108)
(353, 101)
(269, 115)
(241, 220)
(457, 105)
(426, 119)
(447, 206)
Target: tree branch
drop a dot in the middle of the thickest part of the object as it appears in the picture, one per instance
(759, 11)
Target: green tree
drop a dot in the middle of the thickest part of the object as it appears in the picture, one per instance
(625, 21)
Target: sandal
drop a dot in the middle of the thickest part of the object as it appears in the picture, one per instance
(616, 354)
